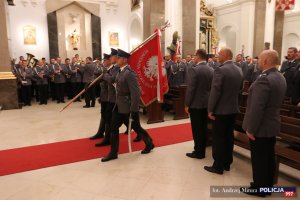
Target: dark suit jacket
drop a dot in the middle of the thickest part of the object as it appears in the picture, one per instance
(88, 73)
(262, 117)
(226, 85)
(110, 78)
(199, 83)
(244, 67)
(289, 71)
(128, 91)
(296, 92)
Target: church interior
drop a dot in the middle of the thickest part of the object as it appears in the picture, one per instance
(51, 105)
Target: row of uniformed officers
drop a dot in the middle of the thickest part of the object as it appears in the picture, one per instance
(56, 79)
(177, 70)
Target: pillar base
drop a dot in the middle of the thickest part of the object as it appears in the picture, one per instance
(8, 91)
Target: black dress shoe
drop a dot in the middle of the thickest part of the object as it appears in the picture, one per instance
(213, 170)
(137, 139)
(102, 144)
(194, 155)
(86, 106)
(148, 149)
(109, 157)
(95, 137)
(92, 106)
(227, 168)
(58, 101)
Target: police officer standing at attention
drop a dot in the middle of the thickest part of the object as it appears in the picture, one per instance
(222, 109)
(199, 83)
(262, 120)
(127, 105)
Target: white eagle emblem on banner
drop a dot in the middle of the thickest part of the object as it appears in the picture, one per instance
(151, 70)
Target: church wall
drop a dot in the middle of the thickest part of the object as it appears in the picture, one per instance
(291, 32)
(115, 19)
(236, 18)
(20, 16)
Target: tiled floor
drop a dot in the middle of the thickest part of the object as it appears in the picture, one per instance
(164, 174)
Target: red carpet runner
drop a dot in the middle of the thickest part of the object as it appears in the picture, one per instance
(47, 155)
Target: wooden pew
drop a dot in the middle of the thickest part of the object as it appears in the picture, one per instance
(176, 98)
(154, 112)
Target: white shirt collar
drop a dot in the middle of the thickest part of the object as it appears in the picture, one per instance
(122, 68)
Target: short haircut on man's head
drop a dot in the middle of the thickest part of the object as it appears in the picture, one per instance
(67, 59)
(89, 58)
(294, 49)
(201, 53)
(271, 56)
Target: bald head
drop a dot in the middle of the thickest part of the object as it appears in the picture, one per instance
(268, 59)
(225, 54)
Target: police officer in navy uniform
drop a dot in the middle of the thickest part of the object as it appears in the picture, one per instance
(103, 98)
(178, 72)
(222, 109)
(196, 101)
(289, 70)
(127, 105)
(262, 120)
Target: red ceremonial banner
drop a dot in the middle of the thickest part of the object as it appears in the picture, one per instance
(147, 63)
(285, 4)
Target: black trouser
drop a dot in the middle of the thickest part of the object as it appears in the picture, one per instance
(117, 120)
(52, 90)
(60, 89)
(90, 97)
(35, 91)
(107, 112)
(199, 129)
(68, 89)
(263, 161)
(102, 123)
(222, 145)
(26, 94)
(43, 91)
(76, 88)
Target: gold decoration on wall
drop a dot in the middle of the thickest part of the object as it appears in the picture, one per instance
(29, 34)
(209, 38)
(113, 39)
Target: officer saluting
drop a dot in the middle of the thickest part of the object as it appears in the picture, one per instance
(127, 104)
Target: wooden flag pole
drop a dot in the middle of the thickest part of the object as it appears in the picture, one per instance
(80, 93)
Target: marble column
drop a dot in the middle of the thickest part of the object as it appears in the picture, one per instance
(153, 17)
(259, 27)
(8, 84)
(189, 21)
(269, 22)
(173, 13)
(278, 31)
